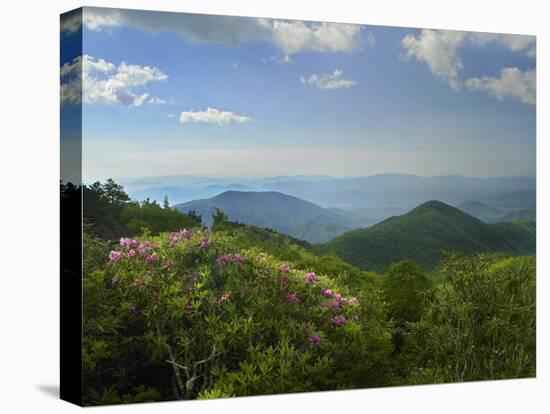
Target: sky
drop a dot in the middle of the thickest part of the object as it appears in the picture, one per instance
(184, 94)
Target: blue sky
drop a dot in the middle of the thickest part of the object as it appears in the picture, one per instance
(289, 97)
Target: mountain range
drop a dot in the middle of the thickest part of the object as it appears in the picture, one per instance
(372, 198)
(281, 212)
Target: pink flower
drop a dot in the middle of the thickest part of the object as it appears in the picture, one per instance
(205, 242)
(338, 320)
(114, 279)
(169, 263)
(355, 318)
(138, 282)
(224, 259)
(314, 339)
(132, 253)
(338, 301)
(292, 298)
(237, 258)
(311, 277)
(352, 300)
(151, 259)
(327, 293)
(285, 268)
(174, 238)
(128, 243)
(186, 234)
(114, 256)
(224, 297)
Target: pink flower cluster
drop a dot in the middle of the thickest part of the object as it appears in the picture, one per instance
(292, 298)
(338, 320)
(338, 300)
(135, 249)
(205, 243)
(230, 258)
(225, 297)
(129, 243)
(114, 256)
(176, 237)
(310, 278)
(313, 338)
(337, 303)
(327, 293)
(151, 258)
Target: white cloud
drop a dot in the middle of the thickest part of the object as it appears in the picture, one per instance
(329, 80)
(512, 83)
(297, 36)
(212, 116)
(512, 42)
(438, 49)
(103, 82)
(289, 36)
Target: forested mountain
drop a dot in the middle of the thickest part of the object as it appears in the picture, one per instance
(281, 212)
(424, 233)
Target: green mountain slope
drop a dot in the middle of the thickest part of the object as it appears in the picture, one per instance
(423, 233)
(281, 212)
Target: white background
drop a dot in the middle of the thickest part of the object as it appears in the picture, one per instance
(29, 160)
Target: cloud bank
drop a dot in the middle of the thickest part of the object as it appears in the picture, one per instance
(92, 80)
(512, 83)
(290, 37)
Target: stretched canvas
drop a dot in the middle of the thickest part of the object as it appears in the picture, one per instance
(255, 206)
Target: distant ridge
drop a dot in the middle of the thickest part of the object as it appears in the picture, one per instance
(423, 233)
(281, 212)
(490, 214)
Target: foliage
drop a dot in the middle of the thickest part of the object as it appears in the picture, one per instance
(192, 314)
(404, 285)
(479, 324)
(301, 254)
(110, 214)
(242, 310)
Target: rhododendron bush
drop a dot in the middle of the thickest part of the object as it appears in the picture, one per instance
(188, 314)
